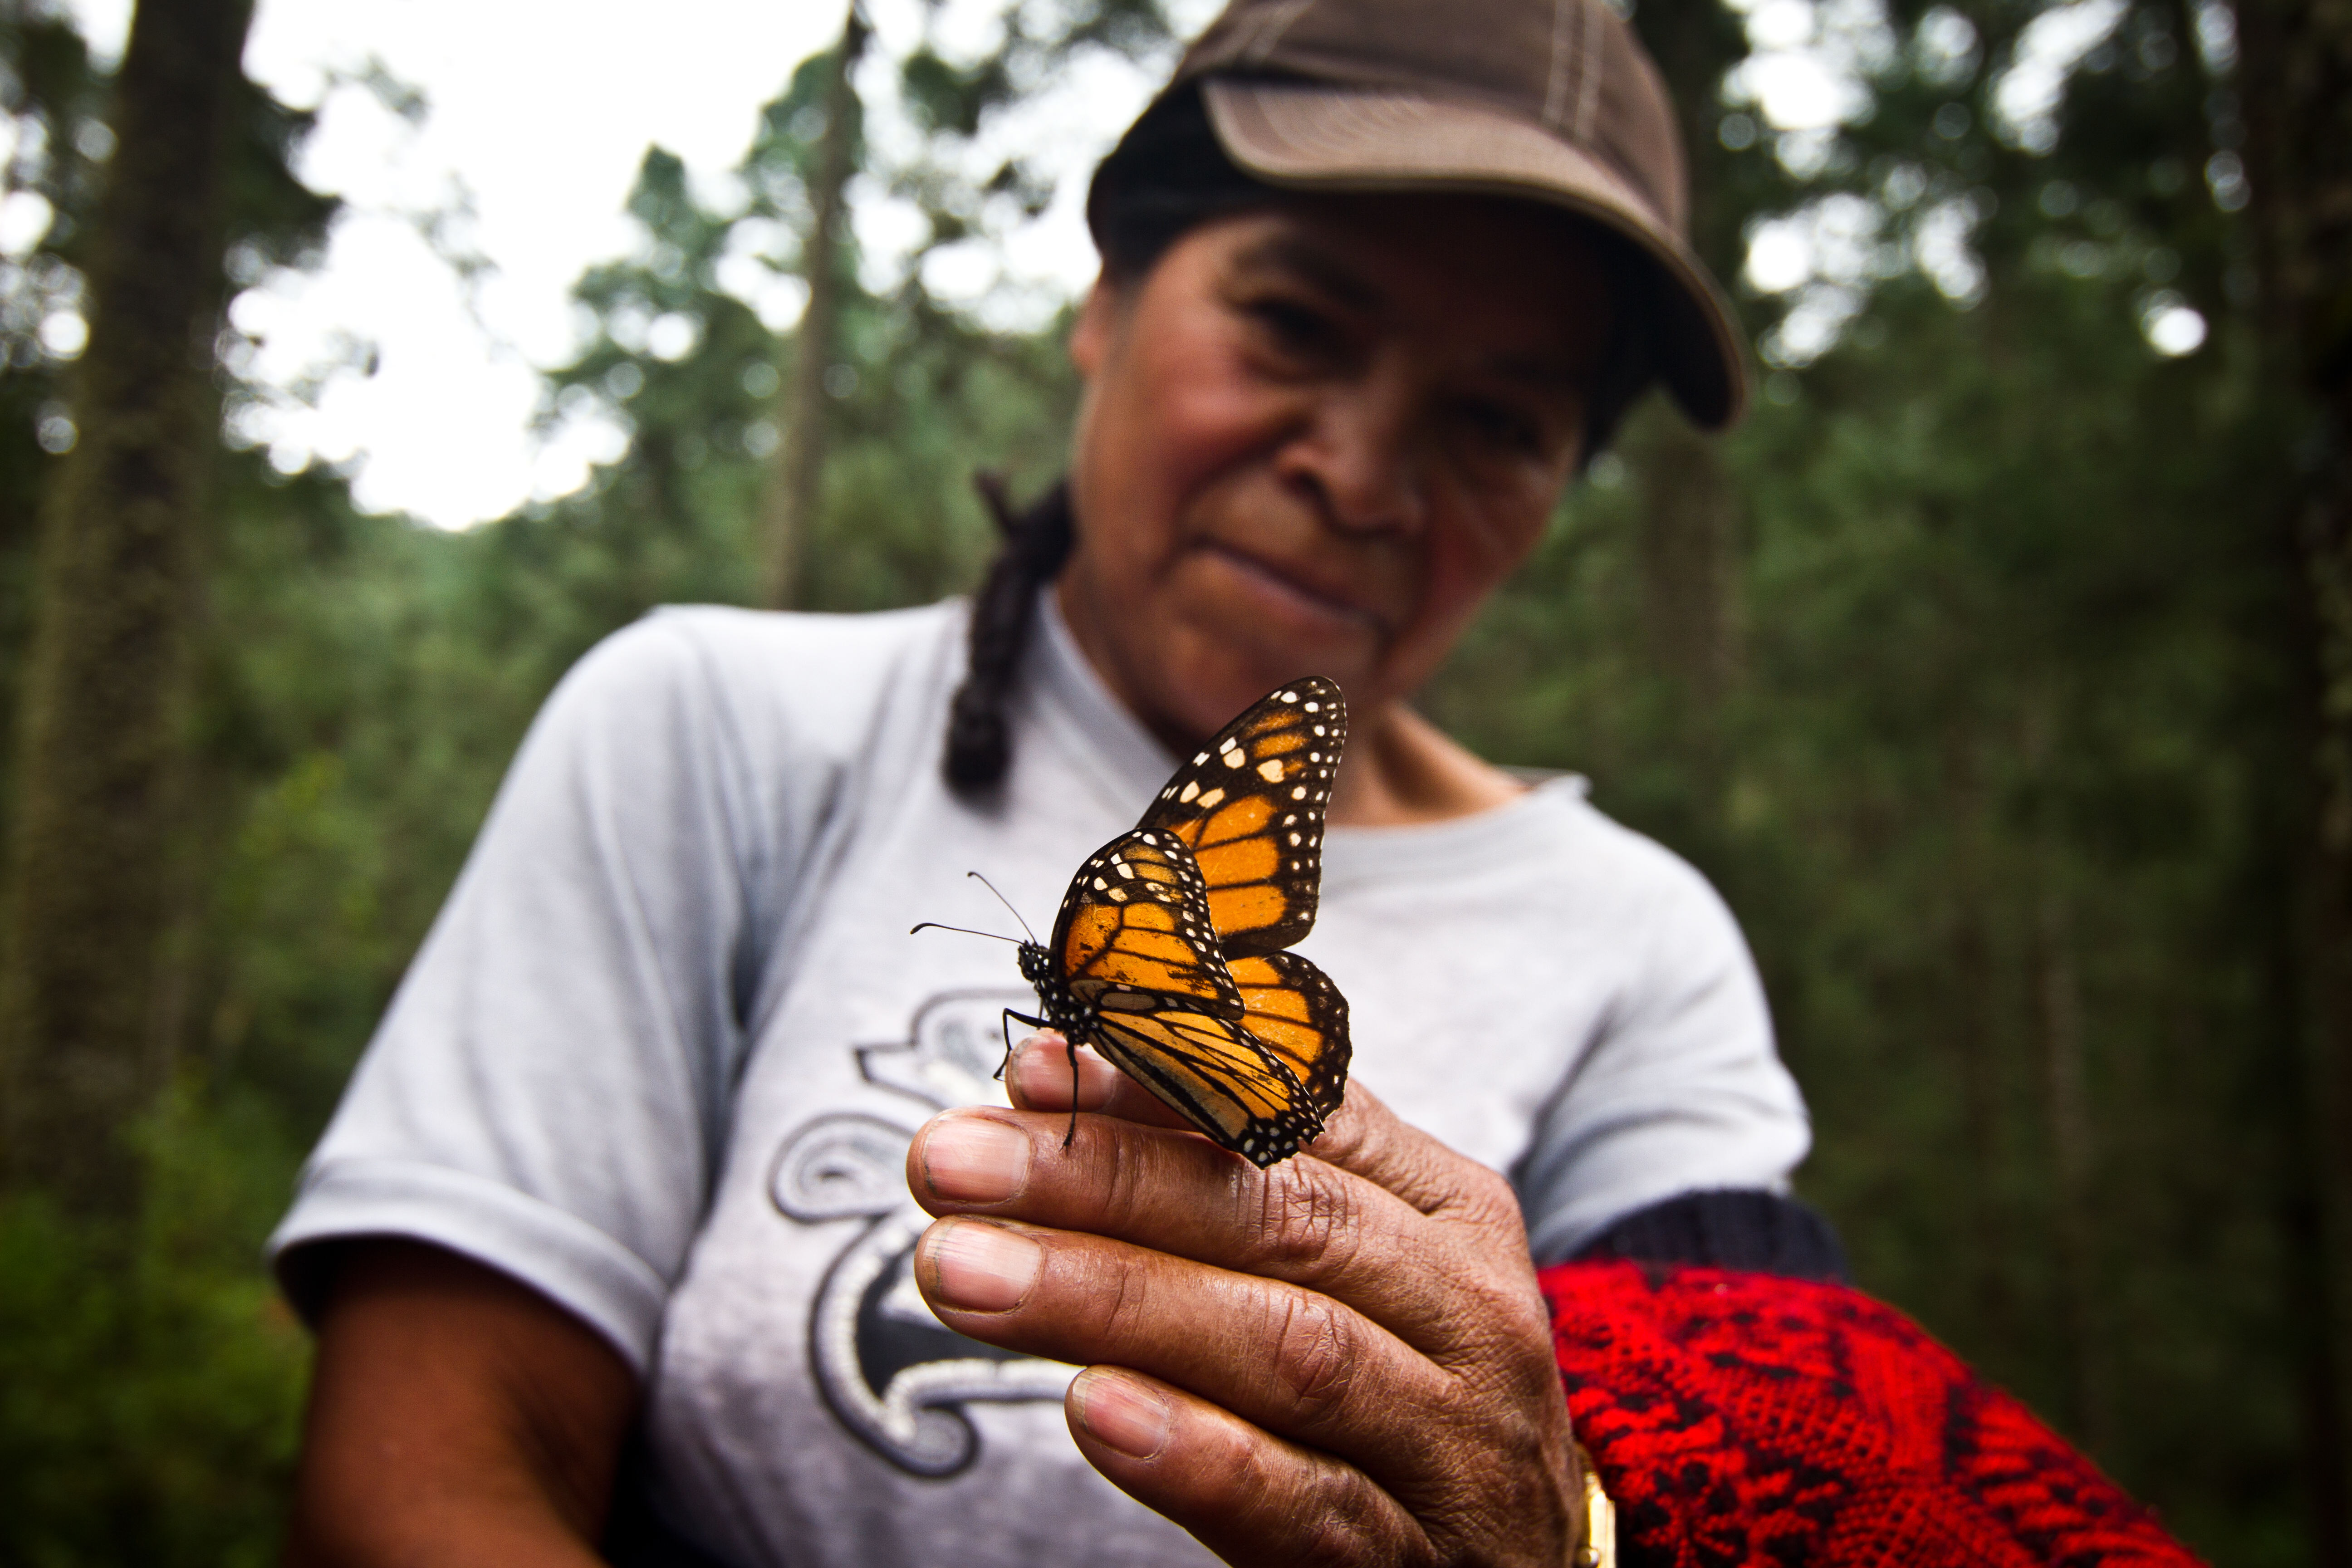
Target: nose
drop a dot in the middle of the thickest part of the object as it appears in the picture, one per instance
(1356, 456)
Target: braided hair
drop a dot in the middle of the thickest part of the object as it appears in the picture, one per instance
(1168, 175)
(1036, 542)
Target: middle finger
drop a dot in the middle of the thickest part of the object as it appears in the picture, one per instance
(1293, 1361)
(1303, 1222)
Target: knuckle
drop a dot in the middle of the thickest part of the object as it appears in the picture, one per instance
(1489, 1198)
(1314, 1355)
(1344, 1523)
(1308, 1222)
(1122, 1303)
(1121, 1184)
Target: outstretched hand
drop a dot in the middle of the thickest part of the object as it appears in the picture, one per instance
(1342, 1359)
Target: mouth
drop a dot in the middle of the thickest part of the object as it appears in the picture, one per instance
(1288, 591)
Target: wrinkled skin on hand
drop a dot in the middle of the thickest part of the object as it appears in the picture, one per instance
(1340, 1360)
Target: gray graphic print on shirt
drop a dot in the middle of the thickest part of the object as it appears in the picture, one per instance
(895, 1375)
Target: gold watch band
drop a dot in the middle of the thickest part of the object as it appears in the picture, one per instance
(1599, 1547)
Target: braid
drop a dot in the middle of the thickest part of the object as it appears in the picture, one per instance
(1036, 542)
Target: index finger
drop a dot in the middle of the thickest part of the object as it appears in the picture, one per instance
(1040, 1076)
(1364, 1137)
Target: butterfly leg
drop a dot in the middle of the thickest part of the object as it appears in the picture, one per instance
(1070, 1040)
(1005, 1023)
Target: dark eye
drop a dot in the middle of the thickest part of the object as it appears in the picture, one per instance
(1502, 426)
(1294, 326)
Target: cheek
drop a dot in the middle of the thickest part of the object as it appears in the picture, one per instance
(1187, 414)
(1470, 554)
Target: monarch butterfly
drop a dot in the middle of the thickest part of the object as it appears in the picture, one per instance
(1168, 955)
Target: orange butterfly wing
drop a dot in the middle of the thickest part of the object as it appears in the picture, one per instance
(1215, 1072)
(1291, 1008)
(1249, 805)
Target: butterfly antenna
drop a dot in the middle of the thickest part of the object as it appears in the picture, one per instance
(1002, 899)
(934, 925)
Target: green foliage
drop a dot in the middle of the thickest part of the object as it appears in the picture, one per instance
(149, 1382)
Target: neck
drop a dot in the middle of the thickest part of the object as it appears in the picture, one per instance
(1401, 769)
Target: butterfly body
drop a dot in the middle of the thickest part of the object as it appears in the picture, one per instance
(1168, 956)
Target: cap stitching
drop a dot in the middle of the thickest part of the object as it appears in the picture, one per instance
(1587, 99)
(1270, 31)
(1556, 91)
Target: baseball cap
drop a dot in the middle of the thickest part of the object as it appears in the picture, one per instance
(1552, 101)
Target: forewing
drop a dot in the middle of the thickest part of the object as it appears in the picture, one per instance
(1292, 1009)
(1212, 1071)
(1136, 921)
(1250, 807)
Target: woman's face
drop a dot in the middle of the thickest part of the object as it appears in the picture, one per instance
(1315, 438)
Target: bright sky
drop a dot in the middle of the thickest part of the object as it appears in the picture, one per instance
(538, 117)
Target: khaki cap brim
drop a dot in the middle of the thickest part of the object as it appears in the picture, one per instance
(1312, 135)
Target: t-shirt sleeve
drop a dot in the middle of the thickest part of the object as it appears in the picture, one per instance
(1681, 1090)
(547, 1091)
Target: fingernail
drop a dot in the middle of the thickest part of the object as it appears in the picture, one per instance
(975, 1159)
(1045, 1082)
(984, 1268)
(1122, 1413)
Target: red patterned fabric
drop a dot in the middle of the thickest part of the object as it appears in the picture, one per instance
(1741, 1418)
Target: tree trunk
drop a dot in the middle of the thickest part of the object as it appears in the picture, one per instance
(88, 902)
(796, 485)
(2059, 985)
(2296, 66)
(1689, 560)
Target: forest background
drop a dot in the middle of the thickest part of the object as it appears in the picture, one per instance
(1995, 671)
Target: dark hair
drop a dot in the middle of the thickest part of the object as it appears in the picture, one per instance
(1168, 175)
(1036, 542)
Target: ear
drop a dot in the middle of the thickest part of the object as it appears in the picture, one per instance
(1097, 327)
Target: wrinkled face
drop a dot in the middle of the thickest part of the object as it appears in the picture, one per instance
(1315, 438)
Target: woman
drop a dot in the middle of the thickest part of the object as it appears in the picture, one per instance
(636, 1149)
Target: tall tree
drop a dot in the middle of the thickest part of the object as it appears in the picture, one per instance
(789, 505)
(88, 903)
(2297, 73)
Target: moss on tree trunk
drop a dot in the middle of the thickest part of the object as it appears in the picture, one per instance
(87, 908)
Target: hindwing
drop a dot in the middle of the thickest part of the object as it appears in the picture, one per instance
(1214, 1071)
(1291, 1008)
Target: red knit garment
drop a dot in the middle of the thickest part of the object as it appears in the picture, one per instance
(1740, 1418)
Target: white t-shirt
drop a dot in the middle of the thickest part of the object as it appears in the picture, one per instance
(662, 1053)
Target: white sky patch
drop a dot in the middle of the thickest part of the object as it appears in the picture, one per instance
(1940, 244)
(1810, 62)
(1827, 255)
(2172, 326)
(1944, 45)
(25, 218)
(2026, 97)
(537, 121)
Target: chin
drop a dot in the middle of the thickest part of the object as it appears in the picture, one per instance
(1224, 674)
